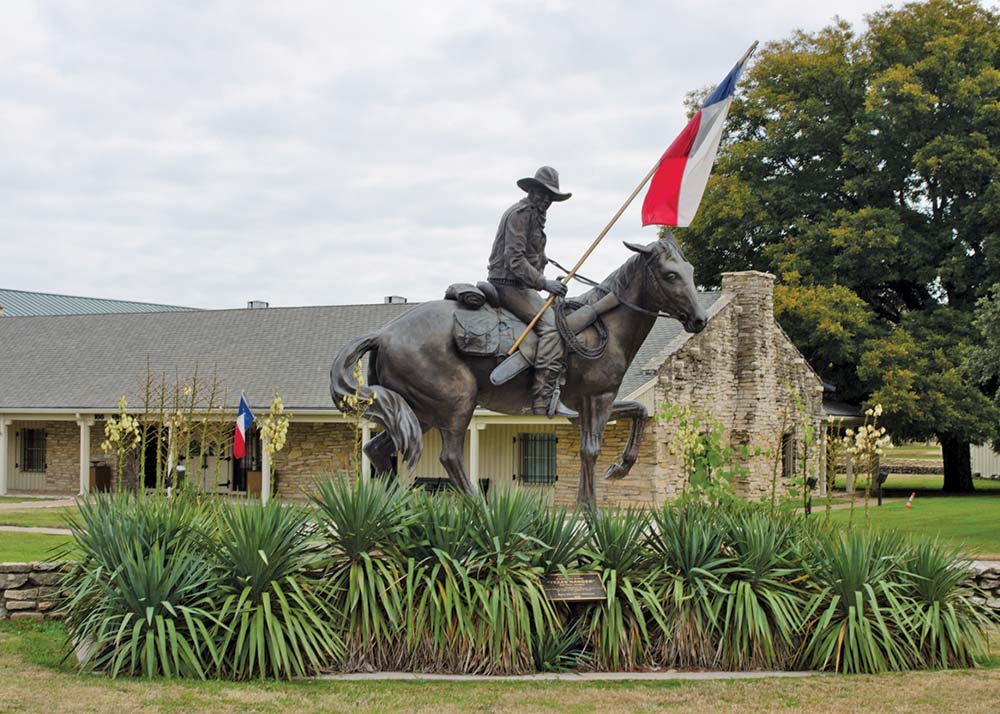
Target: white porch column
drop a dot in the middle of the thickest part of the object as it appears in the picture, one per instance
(474, 428)
(849, 486)
(366, 436)
(265, 471)
(85, 422)
(5, 423)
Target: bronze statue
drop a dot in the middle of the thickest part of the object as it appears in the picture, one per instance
(517, 270)
(430, 367)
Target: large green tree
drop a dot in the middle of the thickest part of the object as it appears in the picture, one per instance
(862, 169)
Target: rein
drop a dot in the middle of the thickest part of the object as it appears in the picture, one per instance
(631, 306)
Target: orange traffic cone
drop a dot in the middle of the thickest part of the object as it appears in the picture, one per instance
(909, 501)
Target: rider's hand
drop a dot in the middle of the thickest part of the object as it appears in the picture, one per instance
(555, 287)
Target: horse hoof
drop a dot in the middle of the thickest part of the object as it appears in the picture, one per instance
(616, 472)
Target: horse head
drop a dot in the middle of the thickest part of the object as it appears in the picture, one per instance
(669, 282)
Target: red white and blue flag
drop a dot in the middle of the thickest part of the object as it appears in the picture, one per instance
(679, 182)
(244, 418)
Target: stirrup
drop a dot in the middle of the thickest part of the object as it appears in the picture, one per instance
(557, 408)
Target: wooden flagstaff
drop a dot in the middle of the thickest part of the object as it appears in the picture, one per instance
(600, 237)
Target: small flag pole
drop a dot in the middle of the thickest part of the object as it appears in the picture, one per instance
(600, 237)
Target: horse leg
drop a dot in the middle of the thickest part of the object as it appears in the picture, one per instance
(452, 458)
(380, 451)
(594, 414)
(639, 416)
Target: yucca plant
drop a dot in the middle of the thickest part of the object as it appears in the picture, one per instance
(949, 627)
(760, 610)
(859, 619)
(560, 534)
(438, 608)
(361, 522)
(141, 592)
(617, 629)
(689, 571)
(276, 618)
(510, 604)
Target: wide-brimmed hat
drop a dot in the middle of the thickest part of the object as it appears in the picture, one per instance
(547, 178)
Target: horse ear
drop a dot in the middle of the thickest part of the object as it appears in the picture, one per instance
(638, 248)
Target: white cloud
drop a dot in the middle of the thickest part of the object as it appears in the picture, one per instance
(207, 153)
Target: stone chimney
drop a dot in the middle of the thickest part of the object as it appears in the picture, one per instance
(756, 355)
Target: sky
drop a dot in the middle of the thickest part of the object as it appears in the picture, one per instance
(313, 153)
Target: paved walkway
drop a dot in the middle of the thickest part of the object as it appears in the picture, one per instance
(39, 530)
(48, 502)
(819, 504)
(663, 676)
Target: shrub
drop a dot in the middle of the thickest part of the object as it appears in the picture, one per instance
(616, 630)
(362, 521)
(759, 612)
(859, 618)
(276, 617)
(949, 627)
(377, 578)
(687, 579)
(141, 595)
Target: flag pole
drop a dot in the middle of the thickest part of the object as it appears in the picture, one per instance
(593, 245)
(600, 237)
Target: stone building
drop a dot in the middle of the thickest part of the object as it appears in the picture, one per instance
(61, 375)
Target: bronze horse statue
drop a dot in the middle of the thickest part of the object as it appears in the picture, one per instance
(419, 380)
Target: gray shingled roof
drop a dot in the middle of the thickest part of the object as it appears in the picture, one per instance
(88, 361)
(20, 303)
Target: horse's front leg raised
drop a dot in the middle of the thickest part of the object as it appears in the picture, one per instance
(639, 416)
(594, 414)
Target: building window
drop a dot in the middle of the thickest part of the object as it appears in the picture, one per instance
(538, 458)
(33, 450)
(788, 456)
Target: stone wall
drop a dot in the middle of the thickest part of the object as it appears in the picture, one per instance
(29, 591)
(313, 451)
(987, 578)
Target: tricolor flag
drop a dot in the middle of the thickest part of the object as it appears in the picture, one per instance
(679, 182)
(244, 418)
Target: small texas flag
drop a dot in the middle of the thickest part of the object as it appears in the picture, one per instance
(244, 418)
(680, 180)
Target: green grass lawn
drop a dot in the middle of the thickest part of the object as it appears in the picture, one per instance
(28, 547)
(970, 522)
(36, 678)
(37, 517)
(18, 499)
(915, 451)
(904, 484)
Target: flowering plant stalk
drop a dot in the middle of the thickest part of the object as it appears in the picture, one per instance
(867, 445)
(122, 436)
(273, 433)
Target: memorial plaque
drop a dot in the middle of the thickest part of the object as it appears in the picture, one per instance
(577, 587)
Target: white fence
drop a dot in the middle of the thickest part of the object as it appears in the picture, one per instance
(985, 462)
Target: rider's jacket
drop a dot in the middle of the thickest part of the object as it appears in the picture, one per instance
(518, 255)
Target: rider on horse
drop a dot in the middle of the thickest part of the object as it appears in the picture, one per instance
(517, 270)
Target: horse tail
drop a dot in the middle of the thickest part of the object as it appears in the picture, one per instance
(383, 405)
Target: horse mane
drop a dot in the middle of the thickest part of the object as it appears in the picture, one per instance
(624, 275)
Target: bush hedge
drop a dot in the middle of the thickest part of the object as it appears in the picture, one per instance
(371, 577)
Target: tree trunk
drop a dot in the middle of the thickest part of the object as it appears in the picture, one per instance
(957, 464)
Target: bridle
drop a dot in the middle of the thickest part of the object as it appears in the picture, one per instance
(647, 274)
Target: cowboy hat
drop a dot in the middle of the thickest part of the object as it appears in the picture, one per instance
(547, 178)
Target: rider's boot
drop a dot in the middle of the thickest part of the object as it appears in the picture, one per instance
(546, 395)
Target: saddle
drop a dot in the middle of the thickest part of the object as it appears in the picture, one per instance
(481, 328)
